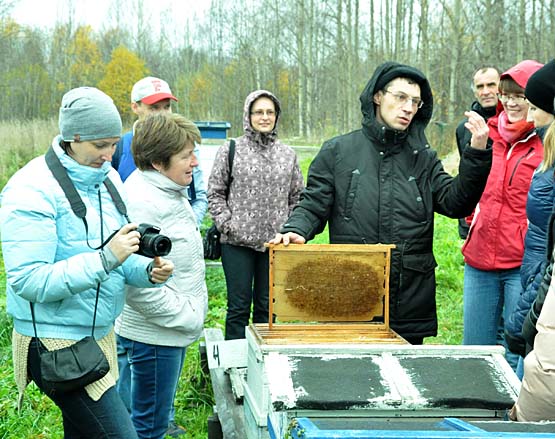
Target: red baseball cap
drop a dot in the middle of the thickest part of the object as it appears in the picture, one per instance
(150, 90)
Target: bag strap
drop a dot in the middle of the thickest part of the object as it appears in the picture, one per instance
(79, 209)
(94, 314)
(231, 155)
(35, 328)
(60, 174)
(116, 198)
(230, 158)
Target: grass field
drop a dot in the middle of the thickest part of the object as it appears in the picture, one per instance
(40, 419)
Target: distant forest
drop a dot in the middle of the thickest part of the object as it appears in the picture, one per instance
(315, 55)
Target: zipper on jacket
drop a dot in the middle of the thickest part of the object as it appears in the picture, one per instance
(351, 194)
(401, 269)
(525, 156)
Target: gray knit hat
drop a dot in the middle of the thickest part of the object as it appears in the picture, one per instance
(88, 114)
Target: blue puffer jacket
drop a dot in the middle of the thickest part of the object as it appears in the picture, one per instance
(48, 255)
(122, 160)
(539, 207)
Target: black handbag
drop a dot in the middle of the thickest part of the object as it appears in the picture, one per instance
(212, 245)
(211, 240)
(74, 367)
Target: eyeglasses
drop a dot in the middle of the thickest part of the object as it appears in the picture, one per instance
(402, 98)
(517, 99)
(260, 113)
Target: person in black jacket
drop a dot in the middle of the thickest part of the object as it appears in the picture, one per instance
(382, 184)
(485, 85)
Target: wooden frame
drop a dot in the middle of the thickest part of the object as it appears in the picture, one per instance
(316, 293)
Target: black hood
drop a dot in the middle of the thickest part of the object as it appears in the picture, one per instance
(382, 75)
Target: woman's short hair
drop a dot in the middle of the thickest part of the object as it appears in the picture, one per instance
(66, 146)
(509, 86)
(161, 135)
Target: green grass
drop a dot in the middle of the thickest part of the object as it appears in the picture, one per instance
(40, 419)
(21, 141)
(449, 278)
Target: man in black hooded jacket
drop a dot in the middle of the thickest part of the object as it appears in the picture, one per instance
(382, 184)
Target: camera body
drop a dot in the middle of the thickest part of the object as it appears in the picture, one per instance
(152, 243)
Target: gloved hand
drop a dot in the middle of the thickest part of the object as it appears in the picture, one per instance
(516, 345)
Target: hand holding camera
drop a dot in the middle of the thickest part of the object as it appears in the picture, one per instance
(125, 242)
(144, 239)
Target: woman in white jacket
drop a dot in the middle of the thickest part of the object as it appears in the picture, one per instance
(535, 402)
(157, 325)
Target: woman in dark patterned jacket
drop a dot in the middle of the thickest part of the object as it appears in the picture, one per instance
(250, 206)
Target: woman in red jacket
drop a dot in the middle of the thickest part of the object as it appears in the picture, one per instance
(495, 244)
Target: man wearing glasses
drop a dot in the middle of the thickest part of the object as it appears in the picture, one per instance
(382, 184)
(485, 85)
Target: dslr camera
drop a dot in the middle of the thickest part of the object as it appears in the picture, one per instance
(152, 243)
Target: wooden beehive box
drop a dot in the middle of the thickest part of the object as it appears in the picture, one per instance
(328, 293)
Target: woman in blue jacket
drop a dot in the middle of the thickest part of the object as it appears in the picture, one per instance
(62, 263)
(540, 93)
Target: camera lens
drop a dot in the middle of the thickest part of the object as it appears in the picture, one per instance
(153, 244)
(161, 245)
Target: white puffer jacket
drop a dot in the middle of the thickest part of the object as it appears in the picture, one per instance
(174, 314)
(535, 401)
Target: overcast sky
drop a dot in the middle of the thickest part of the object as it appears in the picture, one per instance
(45, 13)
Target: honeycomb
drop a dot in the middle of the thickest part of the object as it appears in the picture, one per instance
(338, 287)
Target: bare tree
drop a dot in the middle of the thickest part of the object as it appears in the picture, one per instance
(316, 55)
(6, 6)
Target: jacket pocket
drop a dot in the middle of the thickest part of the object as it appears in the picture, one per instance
(416, 295)
(420, 212)
(195, 317)
(421, 263)
(351, 193)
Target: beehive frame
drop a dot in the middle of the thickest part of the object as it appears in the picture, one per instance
(330, 283)
(301, 270)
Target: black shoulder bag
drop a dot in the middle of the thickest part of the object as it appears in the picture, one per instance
(74, 367)
(211, 241)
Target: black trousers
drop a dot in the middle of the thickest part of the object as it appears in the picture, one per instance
(247, 281)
